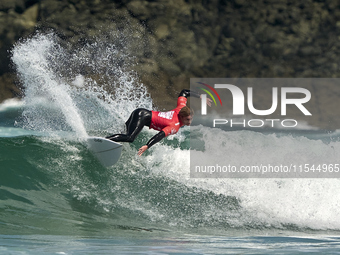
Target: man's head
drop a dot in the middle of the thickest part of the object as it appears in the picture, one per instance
(186, 115)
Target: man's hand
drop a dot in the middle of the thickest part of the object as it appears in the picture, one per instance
(209, 101)
(142, 149)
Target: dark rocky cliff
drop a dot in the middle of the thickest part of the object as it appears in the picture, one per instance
(181, 39)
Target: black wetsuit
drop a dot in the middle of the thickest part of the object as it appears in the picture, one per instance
(138, 119)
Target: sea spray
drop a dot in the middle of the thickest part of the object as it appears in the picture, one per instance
(81, 89)
(33, 60)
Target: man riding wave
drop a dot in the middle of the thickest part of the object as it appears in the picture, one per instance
(167, 123)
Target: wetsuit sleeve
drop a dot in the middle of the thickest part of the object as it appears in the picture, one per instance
(187, 93)
(156, 138)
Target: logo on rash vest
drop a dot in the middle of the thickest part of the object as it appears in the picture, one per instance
(174, 130)
(166, 115)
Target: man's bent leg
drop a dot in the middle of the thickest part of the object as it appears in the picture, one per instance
(137, 120)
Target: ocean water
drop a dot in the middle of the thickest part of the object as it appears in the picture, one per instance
(56, 198)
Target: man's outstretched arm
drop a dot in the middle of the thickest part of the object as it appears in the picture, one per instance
(155, 139)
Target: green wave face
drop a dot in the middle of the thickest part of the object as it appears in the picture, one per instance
(53, 186)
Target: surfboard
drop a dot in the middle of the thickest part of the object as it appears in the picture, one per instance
(105, 150)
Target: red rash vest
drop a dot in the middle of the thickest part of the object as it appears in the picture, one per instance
(168, 121)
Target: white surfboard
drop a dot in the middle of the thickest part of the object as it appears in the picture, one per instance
(106, 151)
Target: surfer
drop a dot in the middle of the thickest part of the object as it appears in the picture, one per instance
(167, 123)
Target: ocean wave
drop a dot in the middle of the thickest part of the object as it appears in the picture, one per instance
(61, 181)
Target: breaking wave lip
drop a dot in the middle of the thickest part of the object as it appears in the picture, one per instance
(12, 103)
(13, 132)
(296, 202)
